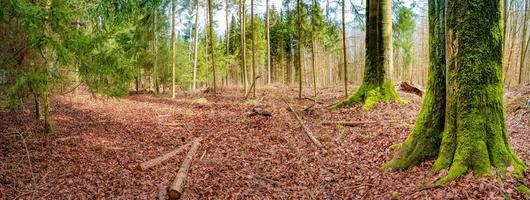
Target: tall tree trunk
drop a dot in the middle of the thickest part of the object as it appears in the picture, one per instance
(253, 35)
(424, 140)
(345, 49)
(212, 47)
(475, 136)
(227, 29)
(173, 49)
(268, 42)
(49, 65)
(196, 38)
(155, 50)
(314, 48)
(299, 47)
(524, 43)
(376, 86)
(243, 46)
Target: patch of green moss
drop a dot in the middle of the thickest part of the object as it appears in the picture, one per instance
(371, 95)
(524, 190)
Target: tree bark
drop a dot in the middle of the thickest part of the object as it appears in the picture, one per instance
(155, 50)
(173, 50)
(243, 46)
(299, 47)
(196, 38)
(474, 135)
(424, 140)
(253, 35)
(376, 86)
(177, 188)
(156, 161)
(268, 42)
(212, 47)
(345, 49)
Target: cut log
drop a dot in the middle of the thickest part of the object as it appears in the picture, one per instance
(358, 123)
(177, 188)
(307, 131)
(259, 111)
(406, 87)
(156, 161)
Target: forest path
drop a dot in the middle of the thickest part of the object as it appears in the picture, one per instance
(98, 145)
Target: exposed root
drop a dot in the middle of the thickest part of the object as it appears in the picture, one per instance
(371, 95)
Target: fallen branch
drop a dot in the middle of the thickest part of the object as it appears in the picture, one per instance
(156, 161)
(177, 188)
(358, 123)
(66, 138)
(307, 131)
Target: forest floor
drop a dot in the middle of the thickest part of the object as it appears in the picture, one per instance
(97, 146)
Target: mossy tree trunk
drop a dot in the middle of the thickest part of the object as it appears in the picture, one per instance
(376, 87)
(474, 136)
(424, 140)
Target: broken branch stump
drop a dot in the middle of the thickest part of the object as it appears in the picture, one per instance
(177, 188)
(156, 161)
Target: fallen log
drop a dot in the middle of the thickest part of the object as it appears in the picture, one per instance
(406, 87)
(357, 123)
(156, 161)
(177, 188)
(307, 131)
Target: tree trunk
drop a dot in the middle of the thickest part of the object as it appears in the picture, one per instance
(173, 49)
(155, 50)
(243, 46)
(196, 38)
(227, 30)
(524, 44)
(313, 48)
(345, 49)
(376, 87)
(299, 47)
(268, 42)
(212, 47)
(424, 140)
(253, 35)
(474, 135)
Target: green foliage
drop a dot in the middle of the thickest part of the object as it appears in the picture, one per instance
(403, 34)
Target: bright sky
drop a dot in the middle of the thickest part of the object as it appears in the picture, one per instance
(259, 8)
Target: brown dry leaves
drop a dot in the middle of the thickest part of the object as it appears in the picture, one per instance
(97, 146)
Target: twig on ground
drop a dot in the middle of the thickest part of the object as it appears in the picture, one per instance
(307, 131)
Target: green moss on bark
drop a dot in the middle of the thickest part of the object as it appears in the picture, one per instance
(471, 125)
(424, 140)
(475, 136)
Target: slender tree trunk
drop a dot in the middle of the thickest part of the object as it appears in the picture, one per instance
(243, 46)
(196, 38)
(49, 65)
(344, 47)
(212, 47)
(227, 29)
(376, 86)
(299, 47)
(314, 48)
(268, 42)
(253, 35)
(155, 50)
(524, 43)
(173, 49)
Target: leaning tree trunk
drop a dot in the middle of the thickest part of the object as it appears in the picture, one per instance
(424, 140)
(376, 87)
